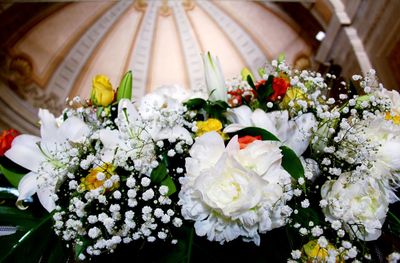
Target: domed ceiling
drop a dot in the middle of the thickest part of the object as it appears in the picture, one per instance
(56, 53)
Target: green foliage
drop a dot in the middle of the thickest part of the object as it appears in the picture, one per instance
(171, 185)
(159, 173)
(34, 240)
(11, 175)
(291, 163)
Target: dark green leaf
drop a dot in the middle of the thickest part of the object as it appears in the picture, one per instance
(264, 91)
(171, 185)
(8, 193)
(31, 246)
(159, 173)
(255, 131)
(15, 217)
(195, 104)
(220, 104)
(57, 253)
(291, 163)
(12, 176)
(251, 83)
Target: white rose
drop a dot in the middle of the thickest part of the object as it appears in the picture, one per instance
(362, 205)
(231, 192)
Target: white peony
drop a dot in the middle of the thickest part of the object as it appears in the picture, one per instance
(361, 204)
(232, 192)
(294, 133)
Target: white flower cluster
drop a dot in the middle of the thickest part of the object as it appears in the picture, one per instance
(107, 197)
(232, 193)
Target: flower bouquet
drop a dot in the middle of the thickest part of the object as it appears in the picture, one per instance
(273, 167)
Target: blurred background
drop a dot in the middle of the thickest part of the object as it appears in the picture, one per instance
(51, 50)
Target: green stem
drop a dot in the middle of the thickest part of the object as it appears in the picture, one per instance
(190, 245)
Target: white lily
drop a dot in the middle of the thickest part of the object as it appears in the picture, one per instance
(31, 152)
(295, 133)
(215, 80)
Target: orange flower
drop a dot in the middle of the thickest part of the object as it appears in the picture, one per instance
(280, 86)
(245, 140)
(6, 138)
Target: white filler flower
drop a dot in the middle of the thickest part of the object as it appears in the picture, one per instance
(232, 192)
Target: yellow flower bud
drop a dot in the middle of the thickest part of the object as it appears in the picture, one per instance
(97, 176)
(209, 125)
(102, 92)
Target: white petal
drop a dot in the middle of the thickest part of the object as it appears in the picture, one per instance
(48, 125)
(25, 152)
(240, 115)
(233, 146)
(208, 148)
(27, 186)
(73, 129)
(262, 120)
(44, 195)
(233, 128)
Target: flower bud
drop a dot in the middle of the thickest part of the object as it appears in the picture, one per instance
(102, 92)
(215, 81)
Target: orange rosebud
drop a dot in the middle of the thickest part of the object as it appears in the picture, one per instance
(245, 140)
(6, 138)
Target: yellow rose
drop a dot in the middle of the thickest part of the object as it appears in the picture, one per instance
(97, 176)
(209, 125)
(102, 92)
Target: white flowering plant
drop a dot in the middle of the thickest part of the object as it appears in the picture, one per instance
(278, 167)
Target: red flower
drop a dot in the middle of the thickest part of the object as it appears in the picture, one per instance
(6, 138)
(280, 86)
(245, 140)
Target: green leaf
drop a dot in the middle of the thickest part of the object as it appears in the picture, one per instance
(15, 217)
(291, 163)
(265, 90)
(125, 87)
(57, 252)
(12, 176)
(171, 185)
(31, 246)
(255, 131)
(159, 173)
(8, 193)
(80, 247)
(195, 104)
(251, 83)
